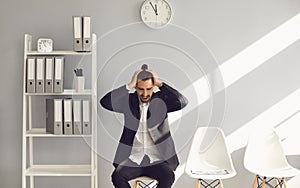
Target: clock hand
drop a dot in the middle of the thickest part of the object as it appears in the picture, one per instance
(155, 9)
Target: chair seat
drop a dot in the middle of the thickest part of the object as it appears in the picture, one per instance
(212, 174)
(143, 178)
(144, 182)
(277, 173)
(209, 158)
(265, 157)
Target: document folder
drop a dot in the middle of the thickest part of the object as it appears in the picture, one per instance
(77, 32)
(58, 74)
(68, 126)
(86, 116)
(40, 74)
(87, 36)
(30, 83)
(77, 116)
(49, 74)
(54, 116)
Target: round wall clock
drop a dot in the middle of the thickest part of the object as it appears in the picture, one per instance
(156, 13)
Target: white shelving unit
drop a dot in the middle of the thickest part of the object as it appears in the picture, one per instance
(31, 170)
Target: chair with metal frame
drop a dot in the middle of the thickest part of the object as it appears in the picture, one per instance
(209, 160)
(264, 156)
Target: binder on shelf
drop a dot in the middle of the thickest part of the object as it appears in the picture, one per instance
(87, 36)
(58, 74)
(77, 33)
(68, 125)
(86, 116)
(40, 74)
(49, 75)
(77, 116)
(54, 116)
(30, 82)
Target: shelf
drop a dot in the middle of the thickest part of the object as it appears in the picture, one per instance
(66, 92)
(58, 53)
(41, 132)
(34, 133)
(59, 170)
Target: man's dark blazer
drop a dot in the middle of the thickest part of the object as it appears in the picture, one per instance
(163, 101)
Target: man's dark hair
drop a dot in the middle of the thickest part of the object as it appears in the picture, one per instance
(145, 75)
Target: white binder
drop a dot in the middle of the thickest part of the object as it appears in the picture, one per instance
(87, 35)
(40, 74)
(49, 75)
(30, 82)
(54, 116)
(77, 32)
(68, 125)
(77, 116)
(86, 116)
(58, 74)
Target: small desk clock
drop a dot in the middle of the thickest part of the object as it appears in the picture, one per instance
(44, 45)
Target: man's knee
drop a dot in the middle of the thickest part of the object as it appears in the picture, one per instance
(166, 178)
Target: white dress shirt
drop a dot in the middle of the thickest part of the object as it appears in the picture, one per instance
(143, 143)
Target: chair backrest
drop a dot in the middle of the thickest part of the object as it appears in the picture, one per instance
(264, 152)
(209, 153)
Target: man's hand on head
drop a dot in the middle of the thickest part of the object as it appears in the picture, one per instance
(133, 82)
(157, 82)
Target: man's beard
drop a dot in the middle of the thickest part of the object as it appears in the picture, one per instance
(145, 99)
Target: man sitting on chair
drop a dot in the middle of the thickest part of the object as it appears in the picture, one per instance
(146, 147)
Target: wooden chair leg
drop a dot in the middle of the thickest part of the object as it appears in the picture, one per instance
(263, 185)
(136, 184)
(284, 182)
(255, 182)
(198, 183)
(220, 183)
(277, 183)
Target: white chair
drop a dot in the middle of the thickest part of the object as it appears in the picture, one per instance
(264, 157)
(145, 182)
(209, 158)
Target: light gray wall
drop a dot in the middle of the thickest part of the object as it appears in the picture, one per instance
(226, 27)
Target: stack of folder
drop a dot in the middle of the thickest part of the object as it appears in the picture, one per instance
(68, 116)
(45, 74)
(82, 33)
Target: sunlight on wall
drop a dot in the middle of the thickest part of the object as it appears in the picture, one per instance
(240, 65)
(246, 61)
(271, 117)
(261, 51)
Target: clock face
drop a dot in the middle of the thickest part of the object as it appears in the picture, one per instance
(45, 45)
(156, 13)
